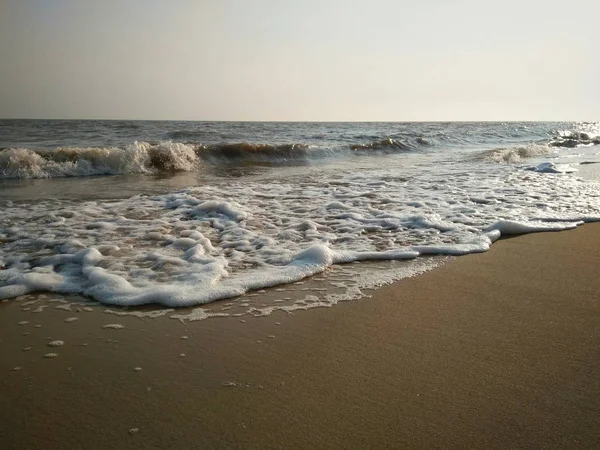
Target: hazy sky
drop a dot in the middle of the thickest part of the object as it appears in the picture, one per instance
(301, 60)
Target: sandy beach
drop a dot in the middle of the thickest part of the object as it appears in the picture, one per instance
(494, 350)
(277, 225)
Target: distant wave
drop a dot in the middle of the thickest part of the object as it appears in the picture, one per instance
(390, 144)
(384, 144)
(559, 139)
(187, 135)
(571, 139)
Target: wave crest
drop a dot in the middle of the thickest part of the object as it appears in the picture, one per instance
(254, 152)
(383, 144)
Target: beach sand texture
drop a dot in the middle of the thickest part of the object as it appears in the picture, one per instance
(494, 350)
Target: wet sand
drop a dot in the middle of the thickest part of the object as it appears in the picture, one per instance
(496, 350)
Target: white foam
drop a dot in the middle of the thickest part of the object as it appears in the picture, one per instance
(141, 314)
(114, 326)
(230, 211)
(507, 227)
(518, 153)
(66, 307)
(210, 242)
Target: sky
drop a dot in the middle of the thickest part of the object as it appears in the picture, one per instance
(328, 60)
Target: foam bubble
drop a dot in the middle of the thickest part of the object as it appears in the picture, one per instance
(114, 326)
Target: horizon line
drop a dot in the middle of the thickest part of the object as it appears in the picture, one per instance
(300, 121)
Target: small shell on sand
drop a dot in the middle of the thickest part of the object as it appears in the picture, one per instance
(137, 369)
(50, 355)
(71, 319)
(184, 337)
(23, 322)
(26, 349)
(114, 326)
(133, 430)
(56, 343)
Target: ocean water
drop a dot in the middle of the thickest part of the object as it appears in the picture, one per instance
(273, 215)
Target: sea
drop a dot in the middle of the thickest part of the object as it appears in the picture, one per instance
(212, 219)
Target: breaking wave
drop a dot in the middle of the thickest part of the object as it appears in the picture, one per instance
(517, 153)
(144, 157)
(139, 157)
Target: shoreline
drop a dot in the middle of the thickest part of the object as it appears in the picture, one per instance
(492, 350)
